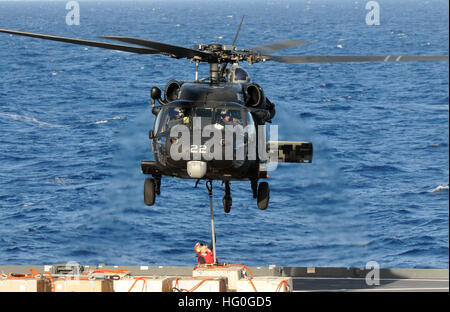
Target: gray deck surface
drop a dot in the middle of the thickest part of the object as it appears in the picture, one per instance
(319, 279)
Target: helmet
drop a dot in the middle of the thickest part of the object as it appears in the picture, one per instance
(197, 247)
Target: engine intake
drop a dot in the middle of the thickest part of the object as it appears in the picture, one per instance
(254, 95)
(172, 90)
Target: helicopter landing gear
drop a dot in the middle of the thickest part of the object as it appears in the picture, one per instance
(152, 187)
(227, 200)
(263, 195)
(149, 191)
(255, 188)
(157, 184)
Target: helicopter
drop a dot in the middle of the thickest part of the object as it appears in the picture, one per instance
(227, 104)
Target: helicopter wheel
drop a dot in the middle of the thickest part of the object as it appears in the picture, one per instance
(263, 195)
(149, 191)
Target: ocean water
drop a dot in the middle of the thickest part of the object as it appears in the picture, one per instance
(74, 127)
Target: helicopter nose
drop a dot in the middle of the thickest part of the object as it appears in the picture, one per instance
(196, 169)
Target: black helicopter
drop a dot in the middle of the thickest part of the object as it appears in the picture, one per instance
(221, 103)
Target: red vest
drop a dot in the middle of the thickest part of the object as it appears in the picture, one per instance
(207, 256)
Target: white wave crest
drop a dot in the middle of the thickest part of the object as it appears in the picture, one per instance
(29, 120)
(107, 120)
(438, 189)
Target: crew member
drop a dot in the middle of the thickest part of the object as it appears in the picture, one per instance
(204, 254)
(224, 118)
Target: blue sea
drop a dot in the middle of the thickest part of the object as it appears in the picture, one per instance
(74, 124)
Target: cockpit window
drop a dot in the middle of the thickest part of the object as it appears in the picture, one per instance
(203, 112)
(240, 75)
(205, 115)
(228, 117)
(157, 123)
(174, 116)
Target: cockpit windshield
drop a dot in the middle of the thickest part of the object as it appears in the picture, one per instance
(205, 115)
(226, 116)
(203, 112)
(174, 116)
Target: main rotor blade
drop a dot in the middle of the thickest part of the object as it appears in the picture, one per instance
(346, 59)
(96, 44)
(237, 32)
(272, 47)
(165, 48)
